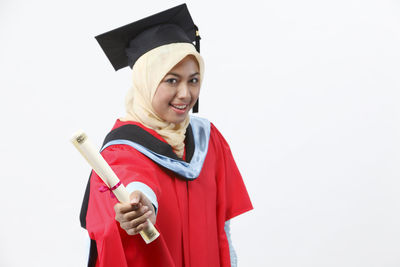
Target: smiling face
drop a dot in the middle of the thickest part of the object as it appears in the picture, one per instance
(178, 91)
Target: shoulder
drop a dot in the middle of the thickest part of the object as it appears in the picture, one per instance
(203, 124)
(122, 155)
(208, 128)
(116, 148)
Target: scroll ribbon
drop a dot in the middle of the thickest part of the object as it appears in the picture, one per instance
(104, 188)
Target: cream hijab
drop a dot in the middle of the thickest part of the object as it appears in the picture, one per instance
(148, 71)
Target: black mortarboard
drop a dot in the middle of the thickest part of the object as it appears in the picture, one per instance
(124, 45)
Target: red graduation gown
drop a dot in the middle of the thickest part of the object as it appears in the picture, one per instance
(191, 214)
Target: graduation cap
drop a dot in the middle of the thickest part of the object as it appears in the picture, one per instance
(123, 46)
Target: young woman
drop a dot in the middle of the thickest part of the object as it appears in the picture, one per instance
(178, 167)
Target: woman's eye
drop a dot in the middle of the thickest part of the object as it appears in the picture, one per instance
(194, 80)
(172, 81)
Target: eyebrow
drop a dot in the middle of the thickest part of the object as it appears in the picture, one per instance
(177, 75)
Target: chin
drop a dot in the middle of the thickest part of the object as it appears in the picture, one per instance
(176, 120)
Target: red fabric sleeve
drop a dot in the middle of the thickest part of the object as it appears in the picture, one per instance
(232, 192)
(130, 165)
(232, 196)
(115, 247)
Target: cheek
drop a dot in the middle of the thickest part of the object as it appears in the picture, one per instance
(162, 97)
(195, 93)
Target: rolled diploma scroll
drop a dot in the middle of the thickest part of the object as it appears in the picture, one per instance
(101, 167)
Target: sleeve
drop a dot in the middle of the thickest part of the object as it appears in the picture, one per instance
(232, 196)
(132, 167)
(232, 193)
(114, 246)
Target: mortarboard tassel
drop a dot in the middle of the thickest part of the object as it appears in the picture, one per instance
(197, 45)
(196, 107)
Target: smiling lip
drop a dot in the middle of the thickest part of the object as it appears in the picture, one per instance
(179, 108)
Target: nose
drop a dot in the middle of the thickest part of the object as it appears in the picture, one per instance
(183, 92)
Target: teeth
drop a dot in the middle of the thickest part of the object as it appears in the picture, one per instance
(180, 106)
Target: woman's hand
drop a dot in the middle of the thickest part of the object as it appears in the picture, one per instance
(133, 216)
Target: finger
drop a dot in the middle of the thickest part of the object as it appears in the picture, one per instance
(142, 219)
(137, 225)
(135, 197)
(135, 214)
(142, 226)
(137, 230)
(132, 231)
(122, 208)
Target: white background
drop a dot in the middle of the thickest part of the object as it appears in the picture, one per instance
(306, 92)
